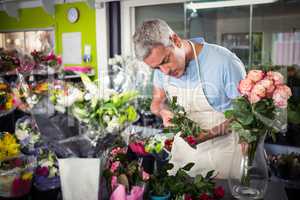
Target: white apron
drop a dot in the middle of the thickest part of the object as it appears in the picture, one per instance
(214, 154)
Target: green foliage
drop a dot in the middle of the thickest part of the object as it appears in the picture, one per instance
(250, 121)
(181, 122)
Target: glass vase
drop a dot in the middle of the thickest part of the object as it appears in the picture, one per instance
(248, 175)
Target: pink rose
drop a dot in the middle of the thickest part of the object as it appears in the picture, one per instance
(276, 77)
(259, 90)
(117, 150)
(253, 98)
(245, 86)
(280, 96)
(255, 75)
(146, 176)
(279, 101)
(268, 84)
(114, 166)
(114, 182)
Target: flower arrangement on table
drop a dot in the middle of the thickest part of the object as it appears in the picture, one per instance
(47, 171)
(16, 170)
(28, 135)
(125, 178)
(261, 106)
(189, 130)
(6, 97)
(259, 110)
(51, 59)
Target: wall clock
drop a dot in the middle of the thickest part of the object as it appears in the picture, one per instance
(73, 15)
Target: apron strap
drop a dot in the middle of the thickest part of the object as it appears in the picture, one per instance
(196, 59)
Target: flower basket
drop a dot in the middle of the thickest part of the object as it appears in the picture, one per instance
(16, 179)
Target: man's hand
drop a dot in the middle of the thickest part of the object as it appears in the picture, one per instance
(166, 116)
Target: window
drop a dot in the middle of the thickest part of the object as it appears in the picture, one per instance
(27, 41)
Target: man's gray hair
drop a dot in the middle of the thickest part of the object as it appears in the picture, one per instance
(150, 34)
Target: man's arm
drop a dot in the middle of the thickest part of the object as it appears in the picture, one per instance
(219, 130)
(158, 106)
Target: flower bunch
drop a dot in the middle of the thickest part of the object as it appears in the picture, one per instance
(63, 95)
(8, 61)
(155, 144)
(260, 85)
(129, 73)
(23, 95)
(16, 175)
(47, 164)
(27, 133)
(9, 146)
(104, 108)
(189, 130)
(260, 108)
(122, 171)
(49, 60)
(6, 98)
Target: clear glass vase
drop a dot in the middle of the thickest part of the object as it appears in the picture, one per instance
(248, 176)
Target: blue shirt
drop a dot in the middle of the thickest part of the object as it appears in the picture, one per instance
(220, 73)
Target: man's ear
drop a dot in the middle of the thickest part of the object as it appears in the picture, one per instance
(176, 40)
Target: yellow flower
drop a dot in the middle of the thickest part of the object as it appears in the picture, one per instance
(9, 102)
(8, 146)
(27, 176)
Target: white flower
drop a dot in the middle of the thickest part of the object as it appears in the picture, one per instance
(106, 118)
(46, 163)
(113, 124)
(21, 134)
(88, 96)
(118, 58)
(112, 61)
(52, 172)
(60, 108)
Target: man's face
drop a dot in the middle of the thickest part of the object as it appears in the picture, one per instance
(169, 60)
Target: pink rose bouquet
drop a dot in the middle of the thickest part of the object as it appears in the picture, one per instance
(263, 96)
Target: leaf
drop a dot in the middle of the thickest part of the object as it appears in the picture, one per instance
(229, 114)
(188, 166)
(209, 174)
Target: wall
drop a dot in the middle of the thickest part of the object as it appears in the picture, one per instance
(38, 18)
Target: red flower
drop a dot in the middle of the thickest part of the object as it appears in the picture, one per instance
(188, 197)
(18, 162)
(42, 171)
(168, 144)
(191, 140)
(219, 192)
(205, 196)
(20, 187)
(59, 60)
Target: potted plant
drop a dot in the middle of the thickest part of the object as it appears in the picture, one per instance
(125, 178)
(159, 184)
